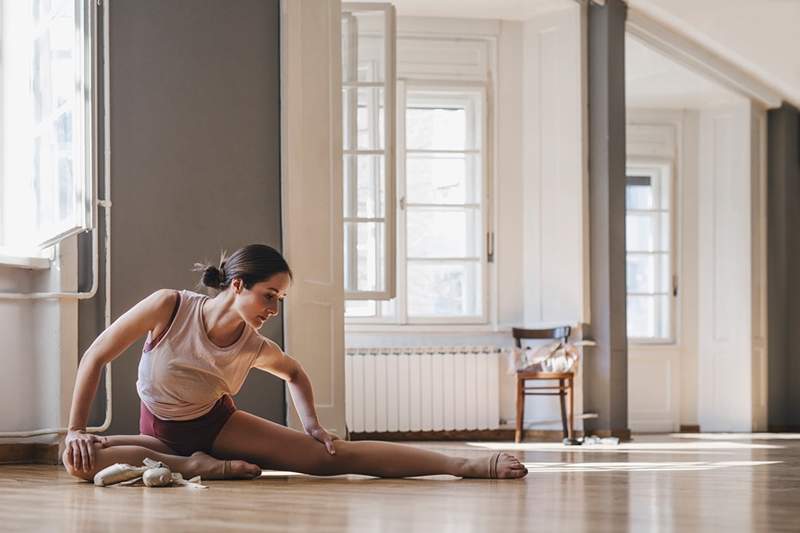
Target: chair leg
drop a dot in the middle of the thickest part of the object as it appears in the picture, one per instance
(571, 408)
(562, 399)
(520, 409)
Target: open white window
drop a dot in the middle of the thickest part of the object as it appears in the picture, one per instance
(442, 256)
(368, 110)
(47, 131)
(651, 280)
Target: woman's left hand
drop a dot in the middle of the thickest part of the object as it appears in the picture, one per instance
(322, 435)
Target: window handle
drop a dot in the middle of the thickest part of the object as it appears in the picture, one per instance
(674, 285)
(403, 203)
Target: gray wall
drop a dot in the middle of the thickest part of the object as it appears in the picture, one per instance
(783, 257)
(195, 140)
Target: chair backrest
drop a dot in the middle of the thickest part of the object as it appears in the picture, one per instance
(560, 333)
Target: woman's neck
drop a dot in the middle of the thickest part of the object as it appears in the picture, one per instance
(223, 325)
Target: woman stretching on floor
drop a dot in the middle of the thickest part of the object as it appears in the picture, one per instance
(198, 353)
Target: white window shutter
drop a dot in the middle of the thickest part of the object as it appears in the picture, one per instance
(369, 160)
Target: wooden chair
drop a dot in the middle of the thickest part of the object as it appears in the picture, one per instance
(565, 381)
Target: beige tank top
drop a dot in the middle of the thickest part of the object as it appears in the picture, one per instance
(184, 373)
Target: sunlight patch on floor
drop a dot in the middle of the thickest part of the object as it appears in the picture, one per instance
(624, 447)
(737, 436)
(640, 467)
(289, 474)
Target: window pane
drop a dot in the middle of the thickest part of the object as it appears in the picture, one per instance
(363, 46)
(443, 233)
(364, 186)
(647, 232)
(649, 317)
(443, 178)
(364, 252)
(363, 118)
(65, 188)
(444, 289)
(638, 196)
(443, 120)
(359, 308)
(385, 309)
(648, 273)
(436, 128)
(46, 91)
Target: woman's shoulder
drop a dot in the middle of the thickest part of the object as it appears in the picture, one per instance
(162, 299)
(163, 303)
(267, 344)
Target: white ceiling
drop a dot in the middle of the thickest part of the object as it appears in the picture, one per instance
(759, 35)
(654, 81)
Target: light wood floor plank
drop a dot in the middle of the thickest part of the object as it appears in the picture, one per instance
(654, 483)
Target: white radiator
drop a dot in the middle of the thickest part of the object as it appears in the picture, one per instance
(422, 389)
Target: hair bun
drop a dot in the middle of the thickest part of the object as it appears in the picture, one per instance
(213, 277)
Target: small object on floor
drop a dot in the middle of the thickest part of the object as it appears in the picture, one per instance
(591, 440)
(117, 473)
(157, 477)
(152, 474)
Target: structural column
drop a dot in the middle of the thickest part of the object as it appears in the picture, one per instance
(783, 262)
(606, 365)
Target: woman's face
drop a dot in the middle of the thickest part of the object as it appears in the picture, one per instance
(262, 301)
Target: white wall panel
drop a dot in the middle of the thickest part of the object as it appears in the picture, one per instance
(554, 186)
(312, 200)
(725, 353)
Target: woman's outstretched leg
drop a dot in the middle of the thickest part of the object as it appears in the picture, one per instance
(124, 450)
(270, 445)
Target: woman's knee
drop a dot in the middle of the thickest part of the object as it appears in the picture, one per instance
(87, 475)
(71, 470)
(327, 464)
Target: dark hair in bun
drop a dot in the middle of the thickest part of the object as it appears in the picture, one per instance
(212, 277)
(252, 264)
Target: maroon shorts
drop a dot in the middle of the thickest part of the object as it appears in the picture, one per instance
(188, 436)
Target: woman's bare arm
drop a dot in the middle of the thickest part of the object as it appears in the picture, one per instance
(275, 361)
(151, 314)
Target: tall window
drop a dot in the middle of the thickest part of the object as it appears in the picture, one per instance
(651, 281)
(46, 176)
(442, 253)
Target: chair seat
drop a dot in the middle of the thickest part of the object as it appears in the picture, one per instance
(529, 374)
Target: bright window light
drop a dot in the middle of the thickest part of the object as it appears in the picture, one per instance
(46, 148)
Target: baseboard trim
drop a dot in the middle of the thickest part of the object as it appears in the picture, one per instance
(29, 453)
(475, 435)
(783, 429)
(689, 428)
(624, 435)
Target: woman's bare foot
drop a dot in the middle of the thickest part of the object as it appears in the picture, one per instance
(499, 465)
(208, 467)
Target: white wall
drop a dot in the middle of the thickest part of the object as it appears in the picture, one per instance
(662, 385)
(539, 184)
(554, 185)
(731, 311)
(714, 375)
(41, 346)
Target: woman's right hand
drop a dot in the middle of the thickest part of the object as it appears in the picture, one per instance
(80, 447)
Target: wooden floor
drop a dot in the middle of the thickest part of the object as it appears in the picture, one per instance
(699, 483)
